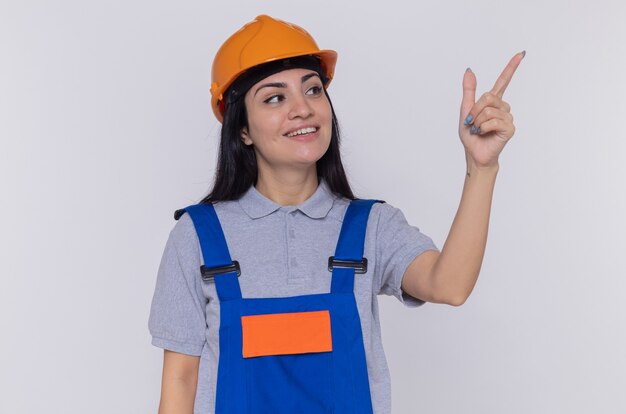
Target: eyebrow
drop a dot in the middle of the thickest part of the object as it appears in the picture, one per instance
(283, 84)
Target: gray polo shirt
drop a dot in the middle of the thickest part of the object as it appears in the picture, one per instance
(282, 251)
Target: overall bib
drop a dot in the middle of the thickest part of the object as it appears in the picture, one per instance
(289, 355)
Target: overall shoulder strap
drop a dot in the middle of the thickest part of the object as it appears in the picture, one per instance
(218, 265)
(348, 258)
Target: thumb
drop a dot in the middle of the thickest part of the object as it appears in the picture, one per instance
(469, 93)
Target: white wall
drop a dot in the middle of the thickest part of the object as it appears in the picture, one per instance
(106, 129)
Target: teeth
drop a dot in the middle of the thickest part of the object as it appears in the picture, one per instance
(302, 131)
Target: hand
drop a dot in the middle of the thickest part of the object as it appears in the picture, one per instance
(491, 125)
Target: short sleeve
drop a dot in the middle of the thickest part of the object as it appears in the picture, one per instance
(177, 319)
(397, 245)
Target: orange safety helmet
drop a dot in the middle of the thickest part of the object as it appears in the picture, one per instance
(262, 40)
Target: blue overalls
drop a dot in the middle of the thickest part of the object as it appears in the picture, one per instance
(312, 361)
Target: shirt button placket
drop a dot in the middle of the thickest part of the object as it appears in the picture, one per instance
(293, 260)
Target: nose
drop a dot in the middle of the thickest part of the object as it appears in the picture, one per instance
(300, 107)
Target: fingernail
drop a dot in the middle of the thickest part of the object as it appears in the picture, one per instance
(468, 69)
(472, 129)
(478, 130)
(523, 54)
(468, 120)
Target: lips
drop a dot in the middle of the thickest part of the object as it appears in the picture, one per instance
(302, 130)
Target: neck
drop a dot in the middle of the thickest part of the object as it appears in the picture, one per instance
(287, 189)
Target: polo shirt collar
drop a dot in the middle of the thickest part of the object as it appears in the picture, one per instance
(256, 205)
(319, 204)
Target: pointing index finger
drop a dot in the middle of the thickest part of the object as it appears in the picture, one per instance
(505, 77)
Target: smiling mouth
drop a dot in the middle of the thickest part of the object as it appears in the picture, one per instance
(303, 131)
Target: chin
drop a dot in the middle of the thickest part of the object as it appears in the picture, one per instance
(311, 155)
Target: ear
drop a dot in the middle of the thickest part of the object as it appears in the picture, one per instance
(245, 136)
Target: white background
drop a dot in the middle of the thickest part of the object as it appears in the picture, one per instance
(106, 129)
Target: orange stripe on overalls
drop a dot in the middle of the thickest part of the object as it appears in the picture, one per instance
(286, 333)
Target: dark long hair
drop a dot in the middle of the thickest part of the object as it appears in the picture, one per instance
(237, 167)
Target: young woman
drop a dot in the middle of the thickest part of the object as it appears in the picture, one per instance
(266, 296)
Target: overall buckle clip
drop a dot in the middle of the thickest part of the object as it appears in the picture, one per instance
(359, 266)
(209, 272)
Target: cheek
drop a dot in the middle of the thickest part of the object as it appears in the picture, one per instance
(265, 127)
(325, 112)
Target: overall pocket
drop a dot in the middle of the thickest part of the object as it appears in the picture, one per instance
(289, 361)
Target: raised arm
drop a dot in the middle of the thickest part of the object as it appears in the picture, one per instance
(485, 127)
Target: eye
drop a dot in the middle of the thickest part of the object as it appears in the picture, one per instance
(274, 99)
(315, 89)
